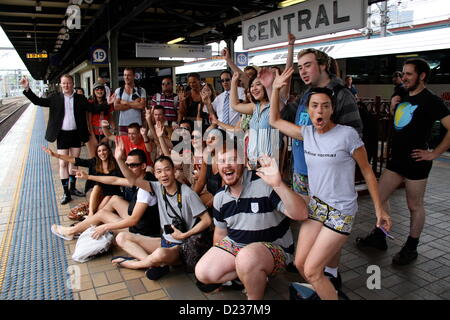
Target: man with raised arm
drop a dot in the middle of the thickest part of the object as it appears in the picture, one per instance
(67, 124)
(252, 237)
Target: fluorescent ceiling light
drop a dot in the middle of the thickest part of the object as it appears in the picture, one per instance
(176, 40)
(288, 3)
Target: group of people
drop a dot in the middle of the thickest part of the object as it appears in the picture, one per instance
(189, 162)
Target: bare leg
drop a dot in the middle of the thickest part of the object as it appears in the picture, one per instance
(74, 152)
(94, 199)
(136, 245)
(389, 182)
(216, 266)
(105, 215)
(253, 264)
(326, 245)
(309, 231)
(415, 193)
(63, 165)
(159, 257)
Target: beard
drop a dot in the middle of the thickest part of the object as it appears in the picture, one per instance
(414, 86)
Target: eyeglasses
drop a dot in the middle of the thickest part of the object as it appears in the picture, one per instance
(225, 80)
(133, 165)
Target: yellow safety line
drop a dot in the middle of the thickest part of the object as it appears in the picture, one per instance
(6, 241)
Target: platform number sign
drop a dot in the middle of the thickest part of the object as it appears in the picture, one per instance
(99, 55)
(241, 59)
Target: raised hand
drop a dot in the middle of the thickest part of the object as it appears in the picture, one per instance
(104, 123)
(80, 174)
(235, 77)
(206, 94)
(111, 98)
(159, 129)
(291, 38)
(266, 76)
(282, 79)
(119, 153)
(144, 132)
(269, 171)
(24, 82)
(49, 152)
(225, 53)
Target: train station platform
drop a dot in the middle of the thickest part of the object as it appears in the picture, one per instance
(36, 265)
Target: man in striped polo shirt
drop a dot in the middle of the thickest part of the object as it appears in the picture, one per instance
(252, 237)
(168, 100)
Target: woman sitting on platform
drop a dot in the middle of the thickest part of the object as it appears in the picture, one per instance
(102, 164)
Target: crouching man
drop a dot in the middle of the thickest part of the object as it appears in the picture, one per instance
(252, 237)
(175, 202)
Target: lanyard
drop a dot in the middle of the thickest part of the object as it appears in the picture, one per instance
(180, 205)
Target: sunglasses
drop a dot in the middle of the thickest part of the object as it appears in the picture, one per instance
(133, 165)
(225, 80)
(166, 83)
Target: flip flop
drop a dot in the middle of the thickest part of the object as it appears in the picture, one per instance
(122, 257)
(55, 229)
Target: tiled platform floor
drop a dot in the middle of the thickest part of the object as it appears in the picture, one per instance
(427, 278)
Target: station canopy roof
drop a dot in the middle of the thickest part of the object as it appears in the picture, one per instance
(31, 30)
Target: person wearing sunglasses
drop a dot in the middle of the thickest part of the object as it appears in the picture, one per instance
(137, 211)
(331, 151)
(168, 100)
(221, 104)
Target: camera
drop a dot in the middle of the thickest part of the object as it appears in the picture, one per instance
(134, 96)
(168, 229)
(179, 224)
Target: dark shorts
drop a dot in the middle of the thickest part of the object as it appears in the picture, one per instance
(68, 139)
(409, 168)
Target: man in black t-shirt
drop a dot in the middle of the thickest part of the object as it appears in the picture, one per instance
(411, 159)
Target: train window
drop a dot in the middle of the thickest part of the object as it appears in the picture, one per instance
(379, 69)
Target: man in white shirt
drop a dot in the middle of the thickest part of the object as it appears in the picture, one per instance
(130, 101)
(221, 103)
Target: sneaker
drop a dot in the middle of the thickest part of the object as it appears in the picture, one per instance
(157, 272)
(76, 192)
(376, 239)
(405, 256)
(336, 281)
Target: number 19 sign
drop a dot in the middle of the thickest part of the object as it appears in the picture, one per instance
(99, 55)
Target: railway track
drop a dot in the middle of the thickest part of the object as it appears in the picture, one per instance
(10, 111)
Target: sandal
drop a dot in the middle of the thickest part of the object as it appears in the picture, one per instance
(56, 230)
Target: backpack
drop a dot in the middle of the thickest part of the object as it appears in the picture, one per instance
(135, 90)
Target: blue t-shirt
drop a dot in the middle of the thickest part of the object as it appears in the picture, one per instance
(301, 119)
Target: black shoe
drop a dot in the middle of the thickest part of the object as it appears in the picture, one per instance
(207, 288)
(336, 281)
(376, 239)
(237, 285)
(405, 256)
(66, 198)
(76, 192)
(157, 272)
